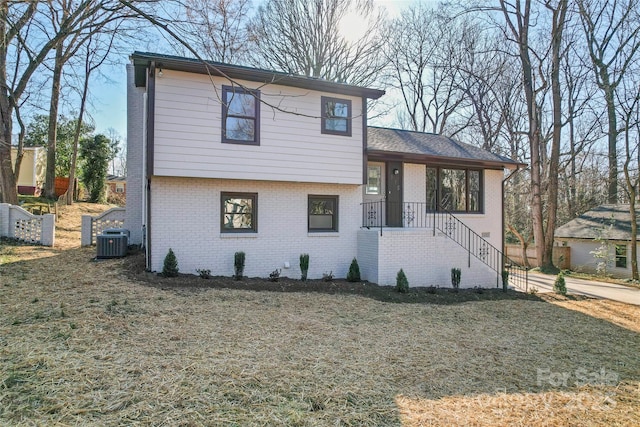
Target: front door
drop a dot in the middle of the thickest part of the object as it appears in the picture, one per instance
(394, 194)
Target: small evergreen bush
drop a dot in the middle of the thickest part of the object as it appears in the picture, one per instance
(505, 280)
(402, 284)
(170, 266)
(559, 287)
(238, 263)
(456, 274)
(204, 273)
(304, 266)
(354, 272)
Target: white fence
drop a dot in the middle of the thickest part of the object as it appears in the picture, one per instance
(17, 223)
(93, 225)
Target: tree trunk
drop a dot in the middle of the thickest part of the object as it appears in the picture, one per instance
(8, 186)
(533, 134)
(554, 161)
(632, 192)
(612, 140)
(49, 188)
(524, 245)
(8, 189)
(634, 237)
(76, 137)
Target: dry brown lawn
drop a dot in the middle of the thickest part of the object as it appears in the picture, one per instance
(82, 344)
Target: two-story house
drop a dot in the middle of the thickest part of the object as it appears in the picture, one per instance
(224, 158)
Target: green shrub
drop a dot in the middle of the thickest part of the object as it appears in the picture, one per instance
(505, 280)
(170, 266)
(204, 273)
(559, 287)
(354, 272)
(238, 263)
(456, 274)
(402, 284)
(327, 277)
(304, 266)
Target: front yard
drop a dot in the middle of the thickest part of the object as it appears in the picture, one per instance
(81, 343)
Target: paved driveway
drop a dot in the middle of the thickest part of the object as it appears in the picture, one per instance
(590, 288)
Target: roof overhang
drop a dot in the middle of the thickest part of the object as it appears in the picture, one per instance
(142, 61)
(381, 155)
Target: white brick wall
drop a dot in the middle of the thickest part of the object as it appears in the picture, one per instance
(583, 260)
(415, 183)
(135, 158)
(186, 217)
(426, 259)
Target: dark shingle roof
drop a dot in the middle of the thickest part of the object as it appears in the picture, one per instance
(609, 222)
(141, 60)
(431, 147)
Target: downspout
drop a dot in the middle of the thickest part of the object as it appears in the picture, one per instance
(149, 148)
(364, 141)
(504, 181)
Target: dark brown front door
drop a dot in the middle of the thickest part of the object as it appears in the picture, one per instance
(394, 194)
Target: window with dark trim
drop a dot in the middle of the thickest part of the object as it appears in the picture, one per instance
(323, 213)
(239, 213)
(455, 189)
(240, 115)
(621, 256)
(336, 116)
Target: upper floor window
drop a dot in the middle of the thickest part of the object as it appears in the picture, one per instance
(455, 190)
(239, 212)
(240, 115)
(336, 116)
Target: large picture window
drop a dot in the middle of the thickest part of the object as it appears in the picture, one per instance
(239, 213)
(454, 189)
(240, 116)
(323, 213)
(336, 116)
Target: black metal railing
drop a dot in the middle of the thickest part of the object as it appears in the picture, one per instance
(424, 215)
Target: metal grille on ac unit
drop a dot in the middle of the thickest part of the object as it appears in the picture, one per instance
(112, 243)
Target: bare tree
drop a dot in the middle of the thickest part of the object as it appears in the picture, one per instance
(612, 33)
(14, 18)
(92, 18)
(217, 29)
(304, 37)
(629, 102)
(24, 29)
(558, 22)
(423, 45)
(517, 19)
(96, 49)
(583, 122)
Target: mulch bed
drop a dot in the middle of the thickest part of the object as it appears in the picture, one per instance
(135, 270)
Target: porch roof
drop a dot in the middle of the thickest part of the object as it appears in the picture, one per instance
(430, 148)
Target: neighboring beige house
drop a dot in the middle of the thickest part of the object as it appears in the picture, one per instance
(117, 184)
(277, 165)
(601, 235)
(32, 169)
